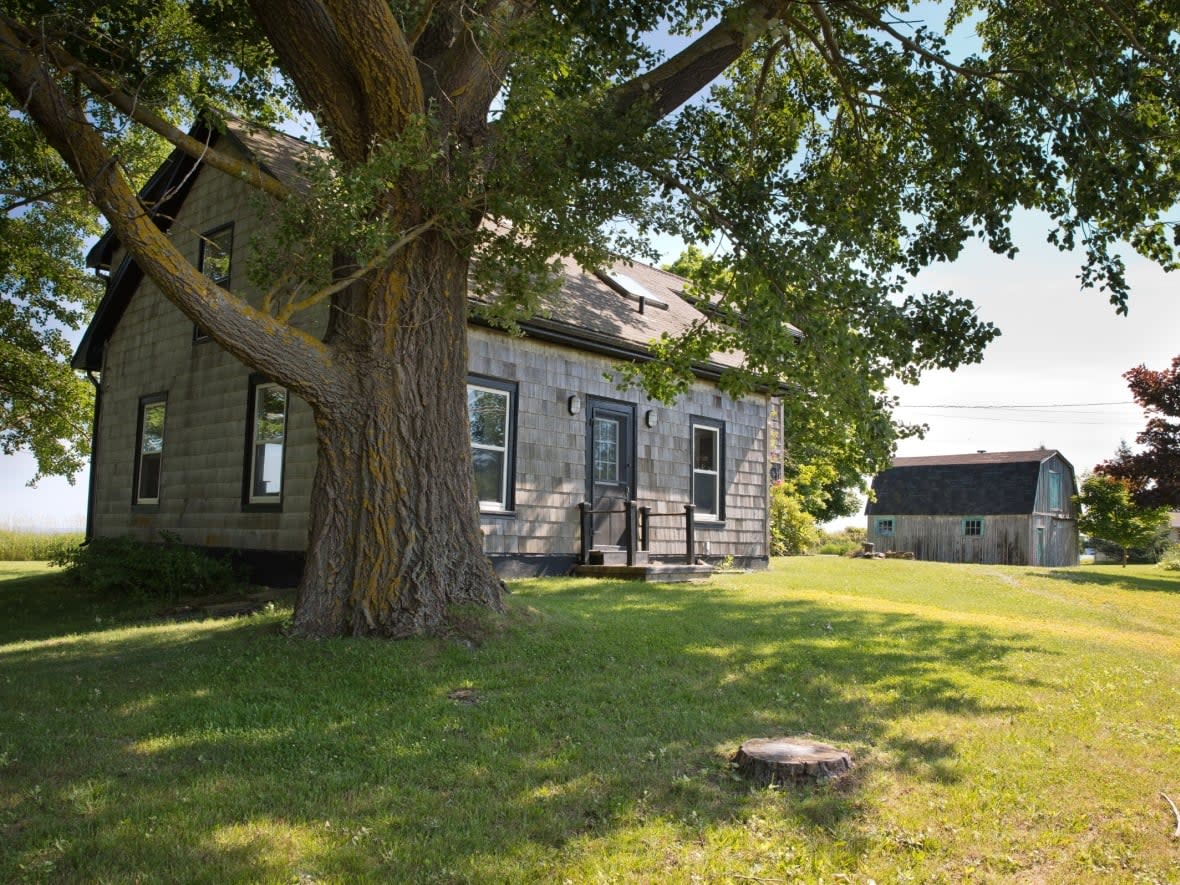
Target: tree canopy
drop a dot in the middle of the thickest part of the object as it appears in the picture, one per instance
(1111, 514)
(841, 146)
(1153, 472)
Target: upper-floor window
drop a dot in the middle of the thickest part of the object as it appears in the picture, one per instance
(491, 420)
(708, 468)
(1054, 489)
(884, 525)
(266, 440)
(973, 527)
(149, 449)
(215, 260)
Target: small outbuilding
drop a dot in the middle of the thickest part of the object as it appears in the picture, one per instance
(1009, 508)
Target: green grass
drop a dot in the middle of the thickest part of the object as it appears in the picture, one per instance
(22, 546)
(1008, 724)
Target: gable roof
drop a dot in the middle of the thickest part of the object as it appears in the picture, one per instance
(977, 484)
(590, 312)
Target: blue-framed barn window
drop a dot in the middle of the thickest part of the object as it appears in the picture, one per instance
(885, 525)
(973, 526)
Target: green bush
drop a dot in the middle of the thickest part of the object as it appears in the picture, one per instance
(1171, 559)
(842, 543)
(792, 530)
(127, 567)
(18, 546)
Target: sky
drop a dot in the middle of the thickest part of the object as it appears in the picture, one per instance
(1053, 378)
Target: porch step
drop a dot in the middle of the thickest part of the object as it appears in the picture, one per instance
(661, 573)
(616, 556)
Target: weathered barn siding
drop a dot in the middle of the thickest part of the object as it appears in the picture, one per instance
(940, 539)
(151, 351)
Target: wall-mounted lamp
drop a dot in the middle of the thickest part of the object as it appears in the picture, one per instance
(574, 404)
(651, 418)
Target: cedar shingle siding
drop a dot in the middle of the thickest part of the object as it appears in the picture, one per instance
(988, 507)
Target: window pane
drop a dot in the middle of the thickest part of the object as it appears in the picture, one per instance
(149, 477)
(489, 473)
(270, 414)
(216, 248)
(606, 450)
(704, 448)
(268, 470)
(704, 493)
(1054, 490)
(153, 428)
(487, 413)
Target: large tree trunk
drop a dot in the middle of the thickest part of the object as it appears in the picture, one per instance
(395, 537)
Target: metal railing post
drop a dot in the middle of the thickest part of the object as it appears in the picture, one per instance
(630, 528)
(585, 519)
(690, 541)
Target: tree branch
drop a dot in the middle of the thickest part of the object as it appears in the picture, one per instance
(288, 355)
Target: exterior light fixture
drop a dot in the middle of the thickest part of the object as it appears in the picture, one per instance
(651, 418)
(574, 404)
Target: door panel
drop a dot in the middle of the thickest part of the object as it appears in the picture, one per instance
(610, 468)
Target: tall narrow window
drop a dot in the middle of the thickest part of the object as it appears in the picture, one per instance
(149, 456)
(606, 451)
(490, 419)
(267, 431)
(708, 474)
(1054, 489)
(214, 260)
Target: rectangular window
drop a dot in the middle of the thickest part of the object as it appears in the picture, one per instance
(149, 456)
(606, 450)
(491, 419)
(214, 259)
(708, 468)
(885, 525)
(266, 432)
(1054, 489)
(973, 527)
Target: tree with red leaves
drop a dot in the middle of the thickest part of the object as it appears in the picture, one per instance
(1153, 473)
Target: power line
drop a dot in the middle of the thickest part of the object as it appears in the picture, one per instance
(1014, 405)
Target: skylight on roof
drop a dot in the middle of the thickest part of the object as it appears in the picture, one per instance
(630, 287)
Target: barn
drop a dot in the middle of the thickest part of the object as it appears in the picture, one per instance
(1011, 508)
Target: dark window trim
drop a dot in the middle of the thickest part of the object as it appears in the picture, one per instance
(722, 480)
(621, 407)
(199, 335)
(248, 506)
(147, 400)
(512, 389)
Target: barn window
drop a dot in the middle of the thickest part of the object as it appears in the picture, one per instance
(149, 456)
(491, 413)
(973, 527)
(266, 440)
(708, 468)
(885, 525)
(1054, 489)
(214, 258)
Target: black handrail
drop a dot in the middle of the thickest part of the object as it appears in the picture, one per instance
(637, 528)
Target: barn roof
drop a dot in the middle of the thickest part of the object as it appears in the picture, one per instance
(592, 311)
(977, 484)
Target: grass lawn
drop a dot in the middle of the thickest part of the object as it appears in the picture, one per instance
(1008, 724)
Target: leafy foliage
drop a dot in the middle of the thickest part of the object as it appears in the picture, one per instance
(792, 529)
(1154, 472)
(1109, 513)
(127, 567)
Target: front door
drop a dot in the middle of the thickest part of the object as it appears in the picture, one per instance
(610, 468)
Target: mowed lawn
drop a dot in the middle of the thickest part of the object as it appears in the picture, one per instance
(1008, 724)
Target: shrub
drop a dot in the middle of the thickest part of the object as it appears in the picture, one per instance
(792, 530)
(842, 543)
(1151, 552)
(128, 567)
(1171, 559)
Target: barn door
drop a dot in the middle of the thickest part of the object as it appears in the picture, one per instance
(610, 467)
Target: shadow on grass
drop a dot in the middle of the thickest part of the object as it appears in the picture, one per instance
(1117, 576)
(228, 749)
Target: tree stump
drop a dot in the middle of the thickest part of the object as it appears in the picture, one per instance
(782, 760)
